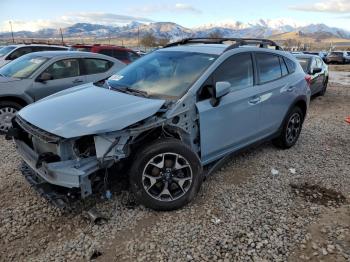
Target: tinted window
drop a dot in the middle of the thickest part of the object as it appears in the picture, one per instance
(108, 52)
(336, 54)
(133, 56)
(5, 50)
(290, 65)
(269, 67)
(237, 70)
(283, 67)
(304, 62)
(64, 69)
(19, 52)
(120, 55)
(96, 66)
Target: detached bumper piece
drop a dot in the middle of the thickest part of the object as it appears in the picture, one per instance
(46, 190)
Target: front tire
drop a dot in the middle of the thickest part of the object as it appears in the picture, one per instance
(291, 129)
(8, 110)
(165, 175)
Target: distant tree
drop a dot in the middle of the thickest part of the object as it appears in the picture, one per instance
(163, 41)
(149, 40)
(215, 34)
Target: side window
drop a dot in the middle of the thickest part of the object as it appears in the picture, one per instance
(268, 66)
(319, 63)
(283, 67)
(96, 66)
(120, 55)
(19, 52)
(237, 70)
(133, 56)
(108, 52)
(290, 65)
(64, 69)
(313, 63)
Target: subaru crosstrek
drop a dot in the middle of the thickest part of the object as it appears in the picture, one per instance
(162, 119)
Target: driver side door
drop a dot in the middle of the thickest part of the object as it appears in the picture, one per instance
(64, 74)
(231, 124)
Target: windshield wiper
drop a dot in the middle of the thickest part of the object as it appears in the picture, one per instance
(136, 91)
(129, 90)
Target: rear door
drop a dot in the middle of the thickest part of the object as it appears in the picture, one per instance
(65, 73)
(276, 85)
(233, 123)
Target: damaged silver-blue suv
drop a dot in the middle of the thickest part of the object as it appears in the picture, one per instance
(162, 119)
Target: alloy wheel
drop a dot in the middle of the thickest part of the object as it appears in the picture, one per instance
(6, 115)
(293, 128)
(167, 177)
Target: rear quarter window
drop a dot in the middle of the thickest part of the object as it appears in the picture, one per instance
(268, 67)
(290, 65)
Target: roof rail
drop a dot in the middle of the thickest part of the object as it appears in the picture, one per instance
(263, 43)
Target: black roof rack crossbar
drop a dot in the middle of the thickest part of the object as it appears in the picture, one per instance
(263, 43)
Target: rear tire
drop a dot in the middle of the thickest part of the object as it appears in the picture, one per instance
(166, 175)
(291, 129)
(8, 110)
(324, 88)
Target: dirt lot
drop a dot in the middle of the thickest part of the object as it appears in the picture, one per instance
(242, 213)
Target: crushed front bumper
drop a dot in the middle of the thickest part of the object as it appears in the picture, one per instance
(72, 174)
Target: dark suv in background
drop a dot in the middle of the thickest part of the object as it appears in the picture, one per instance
(338, 57)
(121, 53)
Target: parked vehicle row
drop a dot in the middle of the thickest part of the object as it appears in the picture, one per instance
(121, 53)
(334, 57)
(160, 120)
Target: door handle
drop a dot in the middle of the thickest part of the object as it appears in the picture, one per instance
(76, 81)
(290, 89)
(254, 100)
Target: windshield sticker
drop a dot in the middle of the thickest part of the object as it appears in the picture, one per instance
(116, 77)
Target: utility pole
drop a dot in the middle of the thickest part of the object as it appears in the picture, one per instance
(138, 37)
(61, 36)
(13, 39)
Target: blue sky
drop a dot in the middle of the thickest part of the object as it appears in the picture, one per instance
(37, 14)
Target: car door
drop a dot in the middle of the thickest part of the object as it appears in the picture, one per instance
(96, 69)
(64, 73)
(276, 86)
(316, 78)
(233, 122)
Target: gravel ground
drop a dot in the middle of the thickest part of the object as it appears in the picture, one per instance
(242, 213)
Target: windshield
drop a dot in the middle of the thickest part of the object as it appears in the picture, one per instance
(336, 54)
(23, 67)
(304, 62)
(5, 50)
(167, 74)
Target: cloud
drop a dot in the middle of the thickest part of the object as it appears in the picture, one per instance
(157, 8)
(70, 19)
(327, 6)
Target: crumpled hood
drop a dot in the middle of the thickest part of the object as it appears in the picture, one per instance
(87, 109)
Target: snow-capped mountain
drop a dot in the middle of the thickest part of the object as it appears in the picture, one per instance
(259, 28)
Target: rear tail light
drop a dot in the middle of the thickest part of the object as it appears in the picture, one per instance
(308, 80)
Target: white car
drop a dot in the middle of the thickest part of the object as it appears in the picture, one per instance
(11, 52)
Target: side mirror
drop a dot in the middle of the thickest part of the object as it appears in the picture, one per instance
(316, 70)
(221, 89)
(44, 77)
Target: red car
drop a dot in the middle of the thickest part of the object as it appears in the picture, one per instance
(121, 53)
